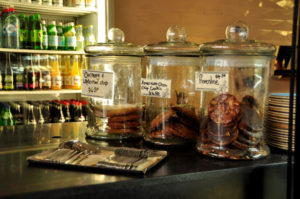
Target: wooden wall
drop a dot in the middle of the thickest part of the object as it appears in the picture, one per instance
(146, 21)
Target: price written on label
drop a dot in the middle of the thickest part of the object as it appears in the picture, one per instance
(156, 88)
(212, 81)
(97, 84)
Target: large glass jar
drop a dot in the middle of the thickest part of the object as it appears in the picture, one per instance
(116, 112)
(234, 82)
(171, 116)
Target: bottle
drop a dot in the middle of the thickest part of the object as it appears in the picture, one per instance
(11, 30)
(52, 35)
(67, 72)
(30, 75)
(45, 35)
(60, 36)
(18, 72)
(75, 74)
(9, 76)
(4, 14)
(37, 71)
(90, 3)
(41, 119)
(37, 33)
(46, 73)
(23, 31)
(78, 3)
(89, 38)
(6, 116)
(39, 2)
(70, 36)
(17, 113)
(47, 2)
(58, 3)
(30, 21)
(56, 78)
(30, 115)
(79, 38)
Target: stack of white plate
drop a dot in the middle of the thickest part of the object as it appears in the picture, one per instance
(277, 120)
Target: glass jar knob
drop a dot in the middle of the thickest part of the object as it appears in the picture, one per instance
(115, 35)
(237, 32)
(176, 34)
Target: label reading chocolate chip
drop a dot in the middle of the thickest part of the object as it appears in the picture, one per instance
(212, 81)
(156, 88)
(98, 84)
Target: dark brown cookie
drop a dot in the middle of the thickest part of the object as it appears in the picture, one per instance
(165, 133)
(124, 125)
(240, 145)
(124, 118)
(250, 119)
(251, 134)
(250, 101)
(162, 118)
(226, 139)
(249, 141)
(224, 109)
(186, 113)
(181, 130)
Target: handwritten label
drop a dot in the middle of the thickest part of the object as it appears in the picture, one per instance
(212, 81)
(97, 84)
(156, 88)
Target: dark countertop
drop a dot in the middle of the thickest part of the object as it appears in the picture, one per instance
(184, 174)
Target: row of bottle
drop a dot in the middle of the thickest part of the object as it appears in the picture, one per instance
(70, 3)
(33, 33)
(40, 112)
(33, 72)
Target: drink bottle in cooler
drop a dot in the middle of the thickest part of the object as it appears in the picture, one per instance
(29, 74)
(67, 72)
(30, 21)
(75, 74)
(45, 35)
(18, 71)
(46, 72)
(70, 36)
(4, 14)
(47, 2)
(79, 38)
(8, 75)
(52, 36)
(38, 72)
(89, 37)
(11, 30)
(37, 33)
(23, 31)
(56, 79)
(6, 118)
(60, 36)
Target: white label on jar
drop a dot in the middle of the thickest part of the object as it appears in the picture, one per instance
(212, 81)
(98, 84)
(156, 88)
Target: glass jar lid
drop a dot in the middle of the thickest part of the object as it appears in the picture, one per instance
(115, 45)
(237, 43)
(176, 44)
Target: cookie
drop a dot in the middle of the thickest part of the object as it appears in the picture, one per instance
(250, 119)
(124, 118)
(240, 145)
(181, 130)
(224, 109)
(224, 140)
(186, 113)
(162, 118)
(124, 125)
(249, 141)
(121, 111)
(251, 134)
(166, 133)
(250, 101)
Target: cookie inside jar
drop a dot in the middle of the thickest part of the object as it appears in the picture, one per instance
(232, 129)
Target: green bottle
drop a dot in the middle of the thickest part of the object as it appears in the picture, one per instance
(79, 38)
(45, 35)
(52, 36)
(9, 76)
(60, 36)
(6, 116)
(29, 21)
(23, 31)
(70, 36)
(37, 33)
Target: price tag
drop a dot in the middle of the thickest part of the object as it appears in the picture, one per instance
(156, 88)
(212, 81)
(98, 84)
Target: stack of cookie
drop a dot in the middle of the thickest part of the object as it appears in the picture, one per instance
(178, 122)
(230, 126)
(123, 119)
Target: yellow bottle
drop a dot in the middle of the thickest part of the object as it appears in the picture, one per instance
(75, 74)
(67, 73)
(56, 79)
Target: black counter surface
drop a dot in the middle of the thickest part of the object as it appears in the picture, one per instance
(184, 174)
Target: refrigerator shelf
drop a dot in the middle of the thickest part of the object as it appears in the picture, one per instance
(48, 10)
(52, 52)
(40, 92)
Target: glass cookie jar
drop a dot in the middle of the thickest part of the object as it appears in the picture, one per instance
(112, 82)
(171, 116)
(234, 84)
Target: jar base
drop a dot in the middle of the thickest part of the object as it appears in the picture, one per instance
(168, 142)
(105, 136)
